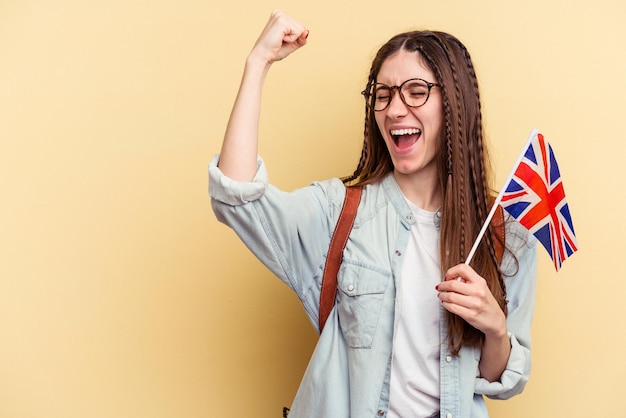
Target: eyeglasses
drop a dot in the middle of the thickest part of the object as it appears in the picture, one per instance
(413, 93)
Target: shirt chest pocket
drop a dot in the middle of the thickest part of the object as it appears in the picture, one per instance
(360, 301)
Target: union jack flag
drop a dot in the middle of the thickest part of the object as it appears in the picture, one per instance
(536, 198)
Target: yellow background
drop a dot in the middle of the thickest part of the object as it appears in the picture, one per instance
(120, 294)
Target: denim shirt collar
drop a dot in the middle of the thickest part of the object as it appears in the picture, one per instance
(397, 199)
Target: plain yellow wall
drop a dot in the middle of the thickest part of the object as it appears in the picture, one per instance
(120, 294)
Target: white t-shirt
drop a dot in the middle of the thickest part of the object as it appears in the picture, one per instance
(414, 387)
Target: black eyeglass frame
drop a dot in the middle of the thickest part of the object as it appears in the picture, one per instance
(370, 98)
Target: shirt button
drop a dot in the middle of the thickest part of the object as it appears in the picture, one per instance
(350, 288)
(398, 253)
(381, 413)
(448, 415)
(448, 360)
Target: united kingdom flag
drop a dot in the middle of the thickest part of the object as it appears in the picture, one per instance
(536, 198)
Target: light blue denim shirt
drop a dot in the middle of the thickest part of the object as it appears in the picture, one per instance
(348, 374)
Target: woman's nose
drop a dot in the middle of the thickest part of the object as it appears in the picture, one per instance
(396, 106)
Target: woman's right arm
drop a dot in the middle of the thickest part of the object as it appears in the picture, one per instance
(281, 36)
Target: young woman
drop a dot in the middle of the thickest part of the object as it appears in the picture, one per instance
(414, 332)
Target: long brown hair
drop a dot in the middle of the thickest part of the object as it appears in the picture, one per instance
(463, 163)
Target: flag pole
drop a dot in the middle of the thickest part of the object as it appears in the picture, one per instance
(533, 133)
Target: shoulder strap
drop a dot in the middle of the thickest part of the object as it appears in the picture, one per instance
(335, 252)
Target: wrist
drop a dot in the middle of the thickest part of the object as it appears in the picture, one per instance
(498, 332)
(497, 337)
(256, 61)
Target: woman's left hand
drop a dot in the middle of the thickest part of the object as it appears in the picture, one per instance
(465, 293)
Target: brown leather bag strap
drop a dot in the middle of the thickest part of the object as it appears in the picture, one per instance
(335, 252)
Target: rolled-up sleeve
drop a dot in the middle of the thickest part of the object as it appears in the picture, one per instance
(231, 192)
(521, 281)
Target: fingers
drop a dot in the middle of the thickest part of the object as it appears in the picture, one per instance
(479, 310)
(470, 298)
(459, 301)
(291, 28)
(281, 36)
(463, 272)
(463, 280)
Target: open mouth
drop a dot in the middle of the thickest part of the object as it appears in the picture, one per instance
(405, 138)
